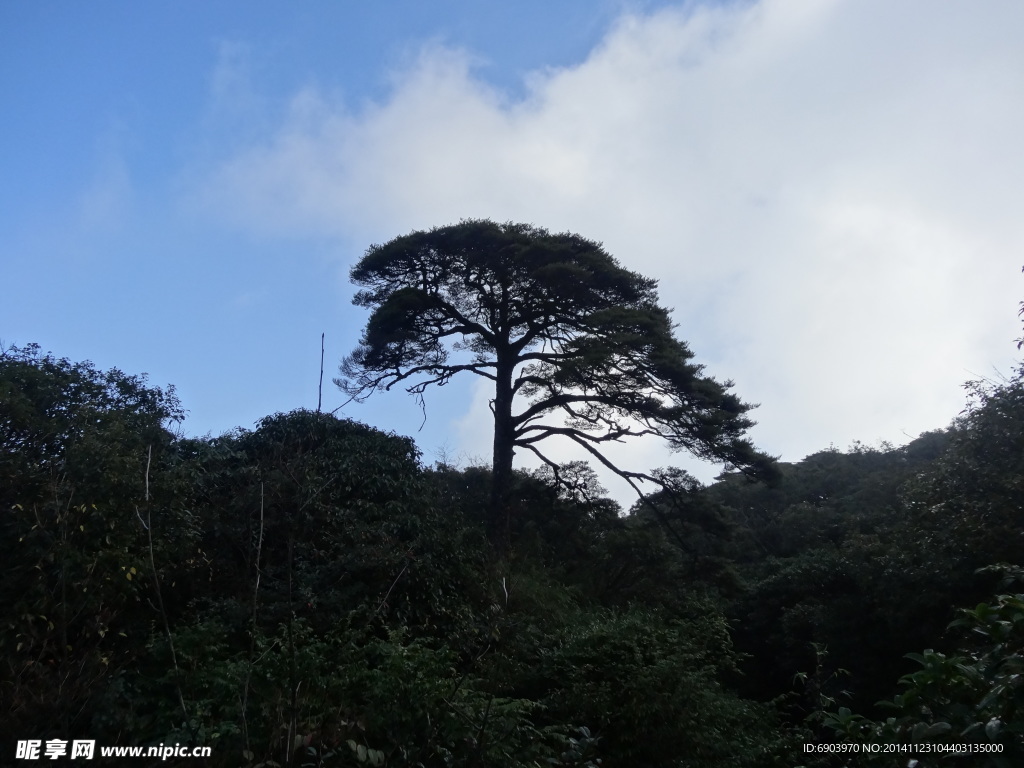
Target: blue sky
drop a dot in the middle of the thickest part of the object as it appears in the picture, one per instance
(829, 192)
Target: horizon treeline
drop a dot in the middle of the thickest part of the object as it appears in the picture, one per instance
(309, 592)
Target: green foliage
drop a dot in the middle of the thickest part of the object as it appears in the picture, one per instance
(650, 689)
(970, 500)
(80, 452)
(825, 500)
(359, 698)
(306, 593)
(974, 697)
(830, 556)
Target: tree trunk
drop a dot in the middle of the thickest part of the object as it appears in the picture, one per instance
(501, 469)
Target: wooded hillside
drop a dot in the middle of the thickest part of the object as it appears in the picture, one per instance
(310, 593)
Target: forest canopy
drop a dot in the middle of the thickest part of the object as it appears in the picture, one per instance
(310, 593)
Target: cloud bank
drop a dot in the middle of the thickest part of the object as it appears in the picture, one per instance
(828, 192)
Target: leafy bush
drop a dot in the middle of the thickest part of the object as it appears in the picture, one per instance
(974, 697)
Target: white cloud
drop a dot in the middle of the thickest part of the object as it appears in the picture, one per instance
(828, 191)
